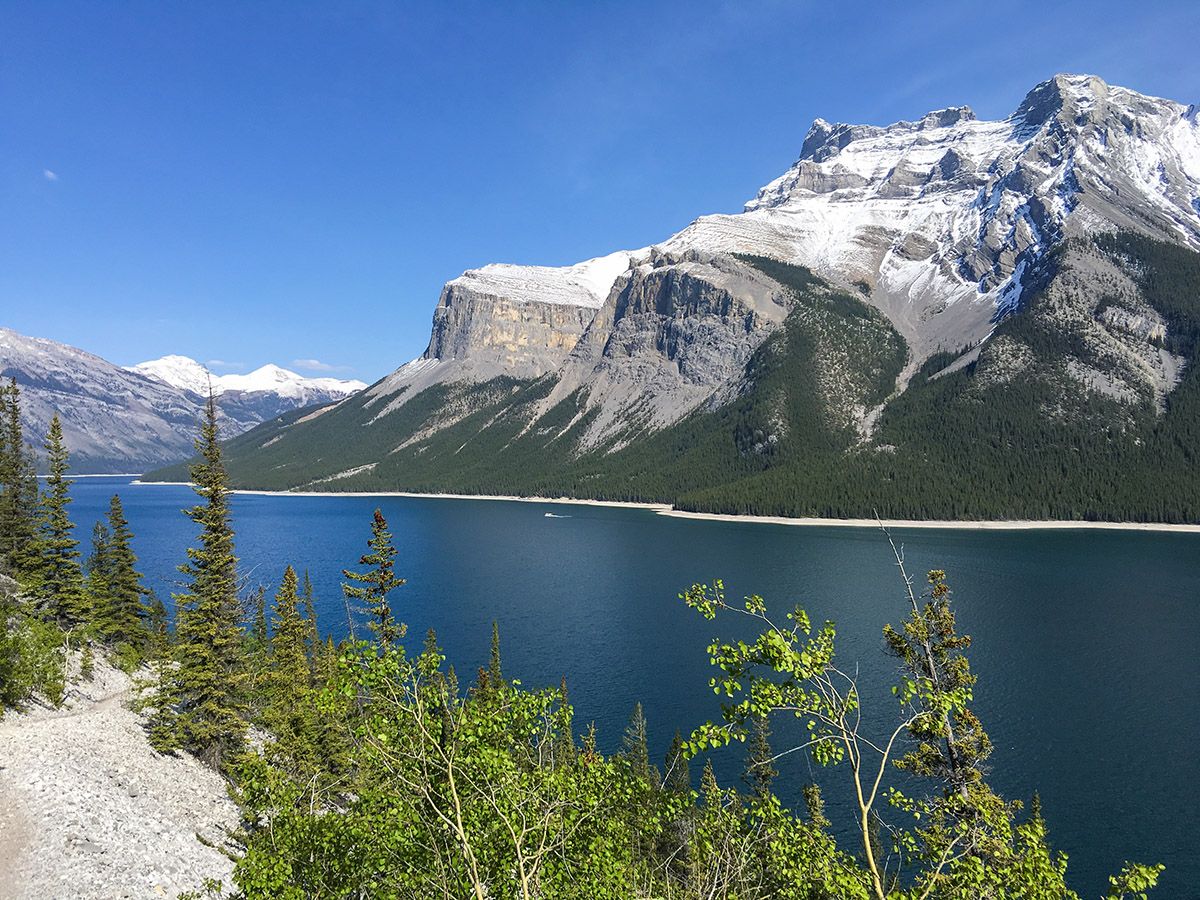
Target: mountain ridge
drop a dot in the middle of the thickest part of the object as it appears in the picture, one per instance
(118, 419)
(187, 374)
(947, 227)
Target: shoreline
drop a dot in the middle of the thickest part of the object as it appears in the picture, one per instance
(666, 509)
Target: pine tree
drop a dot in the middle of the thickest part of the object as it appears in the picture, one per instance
(814, 804)
(313, 640)
(61, 582)
(210, 679)
(259, 638)
(18, 491)
(678, 777)
(760, 771)
(377, 582)
(123, 619)
(709, 789)
(495, 676)
(156, 623)
(288, 712)
(564, 743)
(634, 745)
(99, 569)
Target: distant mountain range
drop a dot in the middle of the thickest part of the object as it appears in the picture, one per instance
(128, 420)
(940, 317)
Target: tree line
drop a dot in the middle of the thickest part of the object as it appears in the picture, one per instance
(366, 768)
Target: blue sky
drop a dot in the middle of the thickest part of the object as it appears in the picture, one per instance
(254, 182)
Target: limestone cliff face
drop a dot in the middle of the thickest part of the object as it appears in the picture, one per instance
(515, 337)
(673, 330)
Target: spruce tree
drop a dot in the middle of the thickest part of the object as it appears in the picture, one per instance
(376, 583)
(312, 641)
(123, 619)
(709, 789)
(564, 743)
(288, 713)
(259, 639)
(18, 491)
(760, 770)
(61, 581)
(156, 623)
(495, 675)
(678, 779)
(634, 746)
(96, 583)
(210, 680)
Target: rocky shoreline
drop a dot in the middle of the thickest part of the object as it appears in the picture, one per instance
(89, 810)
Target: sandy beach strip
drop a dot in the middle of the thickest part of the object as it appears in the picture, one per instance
(665, 509)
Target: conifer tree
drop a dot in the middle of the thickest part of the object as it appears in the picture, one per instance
(210, 679)
(634, 745)
(61, 581)
(564, 745)
(709, 789)
(98, 575)
(156, 623)
(288, 712)
(760, 770)
(259, 639)
(376, 583)
(495, 676)
(18, 490)
(814, 805)
(678, 779)
(312, 641)
(123, 617)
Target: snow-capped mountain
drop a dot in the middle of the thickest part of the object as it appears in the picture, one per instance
(126, 420)
(942, 223)
(180, 372)
(188, 375)
(980, 254)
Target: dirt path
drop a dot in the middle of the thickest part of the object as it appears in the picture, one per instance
(88, 810)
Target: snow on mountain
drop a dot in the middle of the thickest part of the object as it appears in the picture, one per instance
(944, 223)
(189, 375)
(583, 284)
(114, 420)
(132, 419)
(941, 219)
(181, 372)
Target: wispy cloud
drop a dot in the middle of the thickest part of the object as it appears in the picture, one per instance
(315, 365)
(222, 364)
(49, 175)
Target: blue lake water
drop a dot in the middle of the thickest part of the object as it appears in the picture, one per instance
(1085, 641)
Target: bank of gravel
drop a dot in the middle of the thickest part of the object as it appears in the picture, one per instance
(89, 810)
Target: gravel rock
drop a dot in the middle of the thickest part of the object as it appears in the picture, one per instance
(89, 810)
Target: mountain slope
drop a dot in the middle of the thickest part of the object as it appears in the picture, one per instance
(246, 400)
(129, 420)
(939, 317)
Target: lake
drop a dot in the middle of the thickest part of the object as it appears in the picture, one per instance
(1085, 642)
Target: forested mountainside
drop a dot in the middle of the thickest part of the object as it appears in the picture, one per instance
(945, 317)
(1065, 412)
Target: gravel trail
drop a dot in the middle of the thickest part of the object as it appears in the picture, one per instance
(89, 810)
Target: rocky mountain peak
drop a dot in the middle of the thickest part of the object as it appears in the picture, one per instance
(1070, 95)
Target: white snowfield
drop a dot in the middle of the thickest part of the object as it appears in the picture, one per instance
(925, 215)
(186, 374)
(582, 284)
